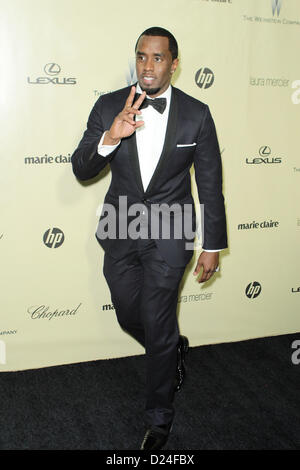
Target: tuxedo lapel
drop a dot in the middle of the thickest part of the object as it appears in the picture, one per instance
(166, 152)
(134, 159)
(169, 141)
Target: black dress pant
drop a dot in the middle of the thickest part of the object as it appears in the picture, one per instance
(144, 291)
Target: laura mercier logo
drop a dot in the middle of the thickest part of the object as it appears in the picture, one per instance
(296, 290)
(53, 237)
(196, 297)
(204, 78)
(52, 70)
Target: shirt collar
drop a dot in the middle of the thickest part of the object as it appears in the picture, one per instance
(166, 94)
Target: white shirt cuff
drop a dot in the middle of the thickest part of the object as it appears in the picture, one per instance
(105, 150)
(213, 251)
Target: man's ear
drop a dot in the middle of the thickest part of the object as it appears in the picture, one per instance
(174, 65)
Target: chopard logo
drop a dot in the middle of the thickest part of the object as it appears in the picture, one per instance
(41, 311)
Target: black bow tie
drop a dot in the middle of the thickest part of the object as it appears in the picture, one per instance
(158, 103)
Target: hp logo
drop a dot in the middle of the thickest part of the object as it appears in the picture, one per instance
(253, 290)
(53, 238)
(204, 78)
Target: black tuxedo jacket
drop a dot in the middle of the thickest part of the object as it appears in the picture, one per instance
(190, 139)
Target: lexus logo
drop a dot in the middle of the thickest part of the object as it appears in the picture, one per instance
(204, 78)
(253, 290)
(276, 6)
(264, 151)
(52, 69)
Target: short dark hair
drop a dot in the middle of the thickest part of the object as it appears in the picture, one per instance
(157, 31)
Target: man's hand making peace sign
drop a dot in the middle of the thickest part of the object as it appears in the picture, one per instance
(124, 123)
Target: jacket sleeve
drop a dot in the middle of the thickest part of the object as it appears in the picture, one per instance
(86, 161)
(208, 175)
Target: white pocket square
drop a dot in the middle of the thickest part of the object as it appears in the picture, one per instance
(186, 145)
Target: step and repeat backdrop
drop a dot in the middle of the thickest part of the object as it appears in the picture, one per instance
(57, 58)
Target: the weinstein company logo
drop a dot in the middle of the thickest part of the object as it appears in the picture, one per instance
(204, 78)
(131, 77)
(52, 70)
(53, 237)
(276, 6)
(253, 290)
(264, 158)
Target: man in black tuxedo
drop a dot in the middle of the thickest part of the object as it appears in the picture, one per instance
(151, 134)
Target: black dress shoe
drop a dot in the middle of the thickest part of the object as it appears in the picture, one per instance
(182, 350)
(156, 437)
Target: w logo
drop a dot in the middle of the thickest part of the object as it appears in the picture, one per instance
(276, 6)
(131, 73)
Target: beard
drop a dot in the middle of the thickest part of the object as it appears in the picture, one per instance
(150, 91)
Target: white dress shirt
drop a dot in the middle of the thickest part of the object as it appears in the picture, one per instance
(149, 138)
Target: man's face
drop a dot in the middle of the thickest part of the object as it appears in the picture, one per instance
(154, 64)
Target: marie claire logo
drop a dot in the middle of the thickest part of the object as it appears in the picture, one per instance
(204, 78)
(52, 70)
(265, 158)
(41, 311)
(53, 237)
(108, 307)
(257, 225)
(253, 290)
(47, 159)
